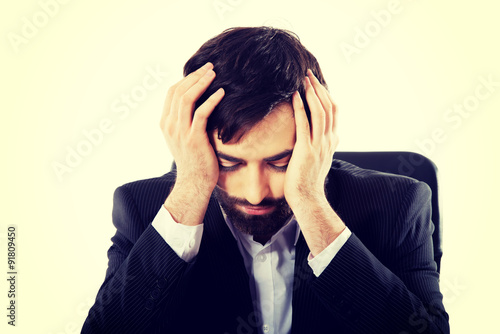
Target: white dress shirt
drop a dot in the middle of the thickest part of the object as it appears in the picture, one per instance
(270, 266)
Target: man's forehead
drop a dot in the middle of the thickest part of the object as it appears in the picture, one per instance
(279, 119)
(274, 133)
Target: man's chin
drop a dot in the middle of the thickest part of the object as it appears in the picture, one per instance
(265, 219)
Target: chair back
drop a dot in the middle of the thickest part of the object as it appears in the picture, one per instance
(408, 164)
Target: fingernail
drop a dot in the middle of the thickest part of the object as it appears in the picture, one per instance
(219, 92)
(298, 98)
(208, 66)
(209, 73)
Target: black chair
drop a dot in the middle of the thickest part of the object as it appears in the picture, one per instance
(408, 164)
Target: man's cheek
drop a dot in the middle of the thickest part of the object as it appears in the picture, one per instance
(277, 184)
(221, 182)
(230, 184)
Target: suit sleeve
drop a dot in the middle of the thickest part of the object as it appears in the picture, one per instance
(142, 274)
(370, 298)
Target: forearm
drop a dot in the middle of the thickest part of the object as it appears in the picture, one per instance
(318, 222)
(188, 202)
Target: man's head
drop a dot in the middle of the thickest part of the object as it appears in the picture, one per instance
(252, 129)
(258, 67)
(252, 171)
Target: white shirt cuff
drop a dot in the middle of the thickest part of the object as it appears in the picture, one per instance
(184, 240)
(323, 259)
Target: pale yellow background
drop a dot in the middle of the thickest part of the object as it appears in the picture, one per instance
(390, 96)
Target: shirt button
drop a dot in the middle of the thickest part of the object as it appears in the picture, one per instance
(265, 328)
(150, 304)
(191, 243)
(261, 258)
(156, 293)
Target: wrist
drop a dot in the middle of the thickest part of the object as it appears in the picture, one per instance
(187, 203)
(193, 189)
(195, 183)
(318, 222)
(307, 200)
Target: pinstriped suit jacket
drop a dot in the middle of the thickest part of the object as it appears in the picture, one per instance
(383, 280)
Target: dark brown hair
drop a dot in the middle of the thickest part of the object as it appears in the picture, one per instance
(258, 68)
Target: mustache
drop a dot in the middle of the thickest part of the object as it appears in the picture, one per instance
(241, 201)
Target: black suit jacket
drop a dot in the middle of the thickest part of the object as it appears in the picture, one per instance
(383, 280)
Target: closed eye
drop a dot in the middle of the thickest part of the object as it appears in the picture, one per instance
(277, 163)
(229, 168)
(279, 167)
(225, 167)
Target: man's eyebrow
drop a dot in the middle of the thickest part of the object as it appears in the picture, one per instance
(221, 155)
(278, 156)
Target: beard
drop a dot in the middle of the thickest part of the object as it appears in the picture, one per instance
(256, 225)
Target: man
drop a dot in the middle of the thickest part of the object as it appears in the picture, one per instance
(257, 231)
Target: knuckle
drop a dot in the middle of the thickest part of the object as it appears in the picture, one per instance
(192, 74)
(328, 105)
(200, 113)
(186, 99)
(202, 82)
(169, 128)
(171, 90)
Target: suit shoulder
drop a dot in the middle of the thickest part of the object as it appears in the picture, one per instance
(139, 201)
(356, 192)
(344, 175)
(149, 184)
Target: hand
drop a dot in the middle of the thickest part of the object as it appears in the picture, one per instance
(315, 144)
(184, 130)
(309, 165)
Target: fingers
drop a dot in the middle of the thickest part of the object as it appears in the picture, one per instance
(334, 114)
(302, 128)
(188, 99)
(322, 126)
(328, 107)
(204, 111)
(318, 117)
(200, 79)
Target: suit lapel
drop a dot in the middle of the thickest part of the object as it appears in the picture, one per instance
(222, 249)
(220, 252)
(301, 298)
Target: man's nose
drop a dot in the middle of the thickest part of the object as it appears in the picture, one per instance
(256, 185)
